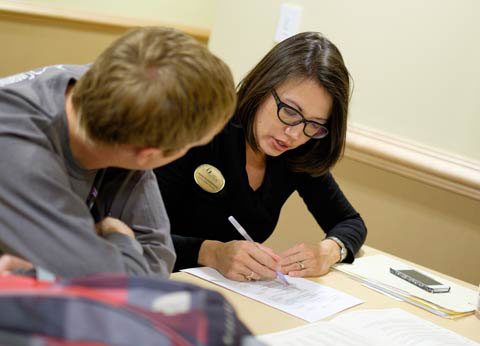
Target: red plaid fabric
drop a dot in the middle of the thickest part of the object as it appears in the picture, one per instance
(114, 309)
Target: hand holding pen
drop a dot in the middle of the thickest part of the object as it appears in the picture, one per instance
(252, 275)
(240, 260)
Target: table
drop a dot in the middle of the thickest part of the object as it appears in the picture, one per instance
(261, 318)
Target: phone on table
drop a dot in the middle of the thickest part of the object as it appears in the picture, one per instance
(420, 280)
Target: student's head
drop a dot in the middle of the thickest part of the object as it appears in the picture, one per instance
(154, 88)
(303, 74)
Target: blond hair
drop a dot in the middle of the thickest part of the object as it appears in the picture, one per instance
(154, 87)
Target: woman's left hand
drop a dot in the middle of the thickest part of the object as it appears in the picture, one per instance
(310, 260)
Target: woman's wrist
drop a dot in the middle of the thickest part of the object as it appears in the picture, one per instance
(206, 255)
(341, 245)
(334, 251)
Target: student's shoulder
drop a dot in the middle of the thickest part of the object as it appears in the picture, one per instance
(36, 95)
(20, 79)
(29, 161)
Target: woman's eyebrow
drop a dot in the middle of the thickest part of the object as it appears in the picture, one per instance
(289, 102)
(319, 119)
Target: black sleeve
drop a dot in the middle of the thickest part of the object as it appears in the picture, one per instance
(187, 249)
(332, 211)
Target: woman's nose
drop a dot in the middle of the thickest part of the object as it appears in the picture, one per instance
(294, 132)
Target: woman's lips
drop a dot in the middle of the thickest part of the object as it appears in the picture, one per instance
(279, 145)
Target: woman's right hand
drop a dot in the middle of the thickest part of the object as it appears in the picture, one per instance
(240, 260)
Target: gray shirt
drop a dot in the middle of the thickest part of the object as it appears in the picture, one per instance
(43, 214)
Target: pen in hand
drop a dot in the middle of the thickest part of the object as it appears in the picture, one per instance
(245, 235)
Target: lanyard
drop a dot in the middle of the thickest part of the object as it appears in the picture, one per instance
(95, 187)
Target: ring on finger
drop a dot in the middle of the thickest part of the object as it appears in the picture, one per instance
(249, 277)
(302, 266)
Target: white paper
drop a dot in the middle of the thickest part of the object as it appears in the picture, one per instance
(383, 292)
(400, 328)
(377, 268)
(315, 334)
(393, 327)
(303, 298)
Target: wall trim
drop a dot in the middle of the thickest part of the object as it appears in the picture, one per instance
(413, 160)
(30, 10)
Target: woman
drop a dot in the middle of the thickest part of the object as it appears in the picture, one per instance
(288, 130)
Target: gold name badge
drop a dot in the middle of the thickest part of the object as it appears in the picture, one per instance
(209, 178)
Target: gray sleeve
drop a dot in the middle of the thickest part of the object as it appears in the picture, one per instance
(145, 213)
(45, 222)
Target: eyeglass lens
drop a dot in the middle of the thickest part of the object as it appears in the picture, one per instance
(290, 116)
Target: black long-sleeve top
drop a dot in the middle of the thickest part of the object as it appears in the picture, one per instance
(197, 215)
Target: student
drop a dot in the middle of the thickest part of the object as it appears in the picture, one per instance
(78, 143)
(287, 132)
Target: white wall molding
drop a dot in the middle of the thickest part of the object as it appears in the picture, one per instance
(413, 160)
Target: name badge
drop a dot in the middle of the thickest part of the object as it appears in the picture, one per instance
(209, 178)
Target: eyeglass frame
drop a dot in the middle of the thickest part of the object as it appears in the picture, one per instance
(281, 104)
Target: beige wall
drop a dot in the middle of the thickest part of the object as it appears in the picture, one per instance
(414, 63)
(45, 32)
(433, 227)
(424, 224)
(415, 67)
(35, 43)
(194, 13)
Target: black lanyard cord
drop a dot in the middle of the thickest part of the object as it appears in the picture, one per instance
(92, 196)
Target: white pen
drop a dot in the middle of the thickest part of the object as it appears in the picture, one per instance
(245, 235)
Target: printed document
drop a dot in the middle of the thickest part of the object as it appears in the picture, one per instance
(302, 298)
(392, 327)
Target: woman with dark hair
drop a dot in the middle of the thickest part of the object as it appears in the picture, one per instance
(287, 132)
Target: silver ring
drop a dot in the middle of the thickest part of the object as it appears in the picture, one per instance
(302, 266)
(249, 277)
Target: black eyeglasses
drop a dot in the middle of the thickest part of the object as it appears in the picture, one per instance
(291, 116)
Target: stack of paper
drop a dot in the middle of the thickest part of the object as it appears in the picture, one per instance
(374, 272)
(302, 298)
(393, 327)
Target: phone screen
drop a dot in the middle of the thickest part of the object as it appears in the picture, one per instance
(420, 277)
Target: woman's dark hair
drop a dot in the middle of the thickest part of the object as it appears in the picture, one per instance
(307, 55)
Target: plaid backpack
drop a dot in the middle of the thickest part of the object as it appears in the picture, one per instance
(114, 309)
